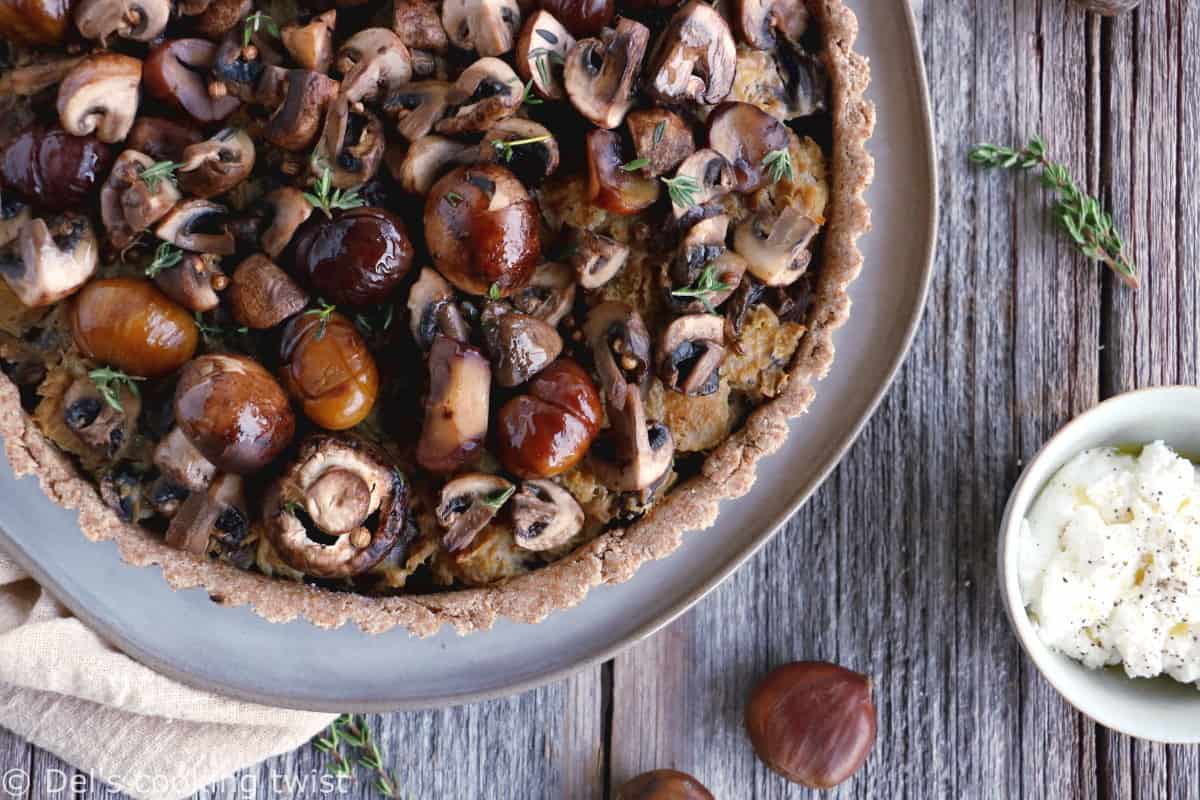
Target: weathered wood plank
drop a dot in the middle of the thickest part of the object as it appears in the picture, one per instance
(15, 754)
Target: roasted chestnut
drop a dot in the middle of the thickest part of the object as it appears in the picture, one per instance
(35, 22)
(328, 369)
(52, 169)
(582, 17)
(232, 411)
(548, 430)
(355, 259)
(131, 325)
(663, 784)
(482, 230)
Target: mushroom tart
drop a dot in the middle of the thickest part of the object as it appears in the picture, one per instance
(421, 320)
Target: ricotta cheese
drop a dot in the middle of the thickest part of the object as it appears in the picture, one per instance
(1110, 562)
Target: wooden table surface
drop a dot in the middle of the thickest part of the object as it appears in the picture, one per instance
(890, 568)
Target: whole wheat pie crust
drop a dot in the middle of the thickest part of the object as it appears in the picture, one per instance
(726, 470)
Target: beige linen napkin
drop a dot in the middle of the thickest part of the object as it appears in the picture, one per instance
(67, 691)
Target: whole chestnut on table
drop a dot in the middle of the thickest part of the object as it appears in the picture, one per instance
(232, 411)
(812, 722)
(549, 429)
(582, 17)
(664, 784)
(131, 325)
(481, 228)
(52, 169)
(356, 258)
(329, 370)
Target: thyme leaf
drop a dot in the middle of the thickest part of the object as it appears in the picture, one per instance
(109, 382)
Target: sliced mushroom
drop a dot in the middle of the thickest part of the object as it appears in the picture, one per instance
(54, 258)
(14, 216)
(98, 423)
(488, 27)
(429, 158)
(758, 20)
(30, 79)
(695, 59)
(373, 63)
(541, 53)
(597, 258)
(432, 311)
(140, 20)
(690, 352)
(661, 137)
(215, 166)
(297, 121)
(130, 205)
(533, 161)
(218, 512)
(261, 295)
(175, 73)
(311, 43)
(600, 73)
(246, 70)
(419, 26)
(418, 107)
(456, 411)
(163, 139)
(485, 93)
(521, 346)
(289, 210)
(194, 282)
(806, 82)
(221, 16)
(320, 512)
(545, 515)
(467, 504)
(198, 226)
(633, 455)
(746, 135)
(182, 463)
(712, 176)
(550, 294)
(610, 185)
(620, 346)
(689, 289)
(776, 246)
(100, 95)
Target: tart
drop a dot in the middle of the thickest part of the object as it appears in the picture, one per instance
(424, 314)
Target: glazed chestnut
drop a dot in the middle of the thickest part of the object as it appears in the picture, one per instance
(548, 430)
(482, 230)
(582, 17)
(52, 169)
(812, 722)
(355, 259)
(34, 22)
(232, 411)
(131, 325)
(328, 369)
(664, 784)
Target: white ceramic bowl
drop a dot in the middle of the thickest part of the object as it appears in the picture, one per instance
(1161, 709)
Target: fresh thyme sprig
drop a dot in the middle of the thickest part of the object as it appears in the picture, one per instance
(210, 331)
(659, 130)
(255, 21)
(166, 256)
(504, 148)
(157, 172)
(328, 199)
(322, 313)
(682, 190)
(378, 321)
(1077, 212)
(353, 731)
(544, 57)
(494, 292)
(635, 165)
(109, 382)
(497, 499)
(707, 284)
(778, 164)
(529, 98)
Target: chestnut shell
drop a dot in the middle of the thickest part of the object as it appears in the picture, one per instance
(355, 259)
(663, 784)
(52, 169)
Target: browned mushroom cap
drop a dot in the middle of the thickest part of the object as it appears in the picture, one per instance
(198, 226)
(610, 185)
(221, 16)
(456, 411)
(745, 135)
(288, 211)
(634, 454)
(261, 295)
(488, 27)
(419, 26)
(467, 504)
(690, 352)
(14, 216)
(597, 258)
(758, 20)
(140, 20)
(541, 53)
(215, 166)
(695, 58)
(100, 95)
(550, 294)
(128, 204)
(194, 282)
(712, 176)
(418, 107)
(429, 158)
(600, 73)
(432, 310)
(545, 515)
(54, 257)
(33, 78)
(521, 346)
(318, 512)
(352, 143)
(99, 424)
(311, 44)
(533, 161)
(217, 512)
(174, 73)
(373, 62)
(805, 79)
(163, 139)
(248, 71)
(485, 93)
(703, 274)
(297, 121)
(661, 137)
(620, 346)
(776, 246)
(182, 463)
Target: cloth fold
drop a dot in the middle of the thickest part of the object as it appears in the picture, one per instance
(68, 691)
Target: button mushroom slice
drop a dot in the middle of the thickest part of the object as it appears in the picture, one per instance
(107, 427)
(54, 257)
(711, 175)
(532, 161)
(776, 246)
(485, 93)
(610, 185)
(288, 211)
(695, 59)
(690, 352)
(174, 72)
(432, 310)
(219, 511)
(352, 143)
(633, 455)
(182, 463)
(14, 216)
(429, 158)
(373, 62)
(703, 274)
(311, 43)
(746, 135)
(100, 95)
(419, 26)
(521, 346)
(597, 258)
(456, 411)
(241, 68)
(418, 107)
(216, 165)
(758, 20)
(338, 510)
(466, 506)
(163, 139)
(296, 123)
(550, 294)
(128, 204)
(140, 20)
(488, 27)
(545, 515)
(805, 79)
(541, 53)
(661, 137)
(198, 226)
(600, 73)
(194, 282)
(261, 295)
(620, 346)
